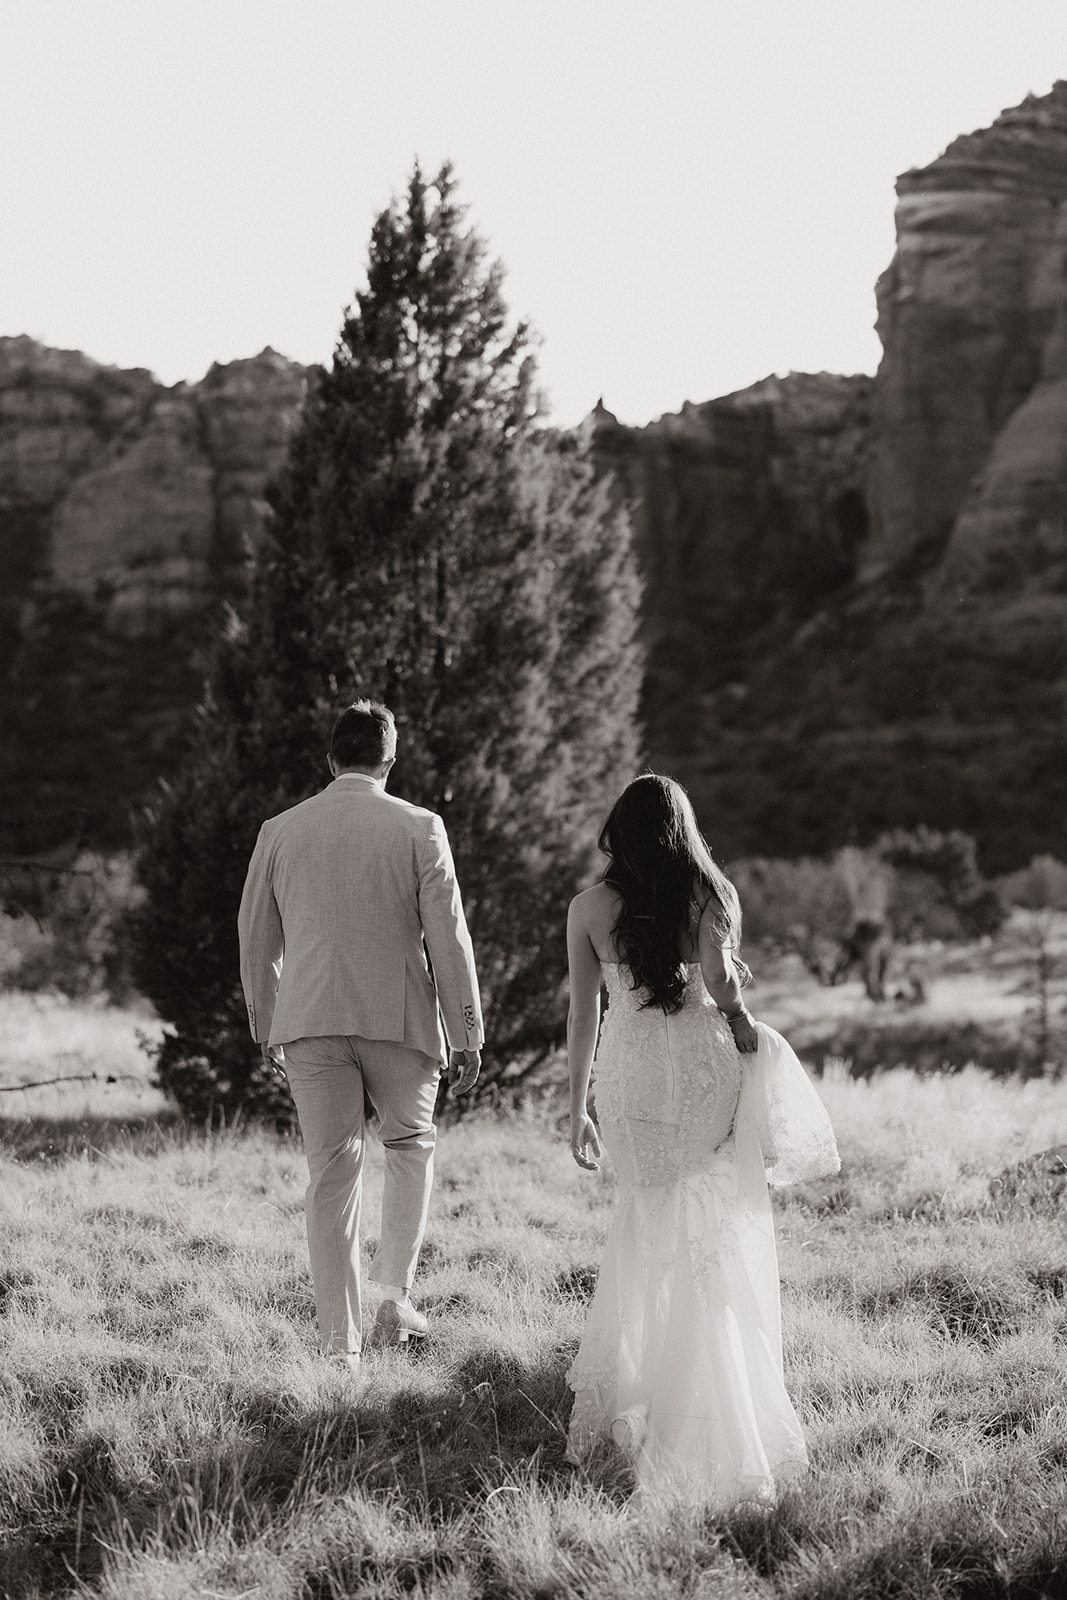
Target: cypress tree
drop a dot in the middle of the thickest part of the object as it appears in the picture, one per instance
(430, 545)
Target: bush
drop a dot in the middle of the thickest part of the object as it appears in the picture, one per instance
(79, 945)
(938, 891)
(26, 948)
(922, 1045)
(801, 906)
(1042, 886)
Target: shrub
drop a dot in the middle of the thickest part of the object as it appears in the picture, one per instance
(1041, 886)
(938, 891)
(801, 906)
(25, 951)
(924, 1046)
(79, 945)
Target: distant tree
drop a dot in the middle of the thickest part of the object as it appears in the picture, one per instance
(829, 913)
(938, 891)
(1041, 886)
(868, 946)
(799, 906)
(431, 546)
(1039, 891)
(844, 914)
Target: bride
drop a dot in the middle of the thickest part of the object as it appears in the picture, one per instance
(681, 1358)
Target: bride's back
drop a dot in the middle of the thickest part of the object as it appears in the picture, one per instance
(601, 907)
(667, 1082)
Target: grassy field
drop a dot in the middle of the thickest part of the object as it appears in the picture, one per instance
(167, 1430)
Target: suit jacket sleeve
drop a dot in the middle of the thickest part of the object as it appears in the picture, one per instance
(448, 942)
(259, 928)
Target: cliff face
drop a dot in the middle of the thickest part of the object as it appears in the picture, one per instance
(122, 490)
(932, 688)
(59, 415)
(127, 510)
(748, 512)
(971, 317)
(856, 589)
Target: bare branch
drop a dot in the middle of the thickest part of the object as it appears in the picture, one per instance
(76, 1077)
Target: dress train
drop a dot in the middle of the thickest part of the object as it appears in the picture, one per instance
(681, 1358)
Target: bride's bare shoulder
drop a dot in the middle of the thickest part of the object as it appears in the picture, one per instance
(596, 901)
(595, 912)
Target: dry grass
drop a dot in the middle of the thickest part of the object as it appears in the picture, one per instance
(930, 1144)
(46, 1037)
(167, 1430)
(992, 980)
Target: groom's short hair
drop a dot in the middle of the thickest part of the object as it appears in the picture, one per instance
(364, 735)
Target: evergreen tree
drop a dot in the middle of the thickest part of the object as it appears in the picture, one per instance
(433, 547)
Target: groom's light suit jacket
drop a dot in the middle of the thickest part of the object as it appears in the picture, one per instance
(351, 923)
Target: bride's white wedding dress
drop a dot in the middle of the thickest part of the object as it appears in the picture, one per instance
(681, 1359)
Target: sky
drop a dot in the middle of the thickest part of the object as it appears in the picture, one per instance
(686, 195)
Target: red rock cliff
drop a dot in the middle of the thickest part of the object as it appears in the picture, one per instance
(970, 411)
(119, 488)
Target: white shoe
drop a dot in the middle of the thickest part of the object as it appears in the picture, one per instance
(629, 1430)
(397, 1323)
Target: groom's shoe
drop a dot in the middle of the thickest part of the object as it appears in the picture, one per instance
(397, 1323)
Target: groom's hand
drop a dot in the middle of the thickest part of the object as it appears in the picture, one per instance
(463, 1069)
(273, 1063)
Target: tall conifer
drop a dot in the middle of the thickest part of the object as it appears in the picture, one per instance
(430, 545)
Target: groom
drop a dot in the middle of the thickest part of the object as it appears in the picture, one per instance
(354, 948)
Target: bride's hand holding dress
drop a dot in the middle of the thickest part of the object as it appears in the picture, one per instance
(724, 984)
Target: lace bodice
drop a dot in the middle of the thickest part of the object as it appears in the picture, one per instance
(666, 1086)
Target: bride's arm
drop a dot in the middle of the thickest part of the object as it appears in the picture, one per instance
(724, 986)
(583, 1019)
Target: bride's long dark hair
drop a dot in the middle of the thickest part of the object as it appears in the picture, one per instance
(660, 863)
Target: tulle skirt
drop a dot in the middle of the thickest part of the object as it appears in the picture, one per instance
(681, 1358)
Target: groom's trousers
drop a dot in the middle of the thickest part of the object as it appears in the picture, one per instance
(340, 1083)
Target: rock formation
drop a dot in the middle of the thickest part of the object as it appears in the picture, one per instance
(856, 589)
(931, 689)
(123, 490)
(127, 510)
(748, 511)
(971, 404)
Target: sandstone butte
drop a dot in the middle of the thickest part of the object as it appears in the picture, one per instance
(856, 587)
(119, 488)
(970, 416)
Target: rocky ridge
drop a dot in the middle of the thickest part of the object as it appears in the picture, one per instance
(127, 511)
(970, 419)
(856, 588)
(119, 488)
(748, 511)
(933, 688)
